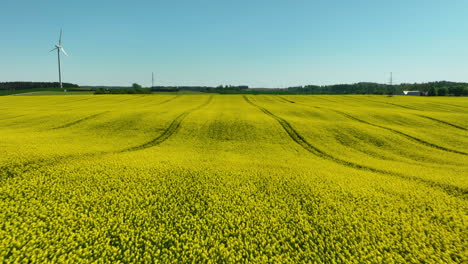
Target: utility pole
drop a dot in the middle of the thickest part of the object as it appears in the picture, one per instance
(391, 89)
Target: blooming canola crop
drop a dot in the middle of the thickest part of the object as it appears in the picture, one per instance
(233, 178)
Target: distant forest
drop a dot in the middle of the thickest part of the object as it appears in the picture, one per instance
(431, 89)
(34, 85)
(441, 88)
(205, 89)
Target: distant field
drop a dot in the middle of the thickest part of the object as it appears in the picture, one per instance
(57, 91)
(233, 178)
(53, 93)
(179, 92)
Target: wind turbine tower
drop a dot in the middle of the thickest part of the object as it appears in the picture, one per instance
(59, 49)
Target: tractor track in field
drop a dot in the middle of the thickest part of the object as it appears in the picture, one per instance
(442, 122)
(169, 131)
(299, 139)
(98, 114)
(13, 170)
(286, 100)
(423, 142)
(345, 115)
(80, 120)
(170, 99)
(407, 107)
(317, 107)
(397, 105)
(11, 117)
(75, 101)
(128, 99)
(380, 102)
(415, 139)
(327, 100)
(163, 102)
(459, 106)
(410, 108)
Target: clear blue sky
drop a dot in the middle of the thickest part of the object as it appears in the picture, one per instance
(260, 43)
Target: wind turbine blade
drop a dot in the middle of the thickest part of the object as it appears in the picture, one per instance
(53, 49)
(60, 39)
(63, 51)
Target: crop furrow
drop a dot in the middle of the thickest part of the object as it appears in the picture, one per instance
(397, 105)
(380, 102)
(11, 117)
(299, 139)
(286, 100)
(347, 116)
(401, 133)
(325, 99)
(443, 122)
(13, 170)
(170, 99)
(75, 101)
(80, 120)
(132, 98)
(172, 129)
(452, 105)
(362, 121)
(418, 140)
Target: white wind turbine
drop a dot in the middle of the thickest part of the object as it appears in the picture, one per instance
(59, 48)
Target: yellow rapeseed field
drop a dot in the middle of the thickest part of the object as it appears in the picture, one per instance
(233, 178)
